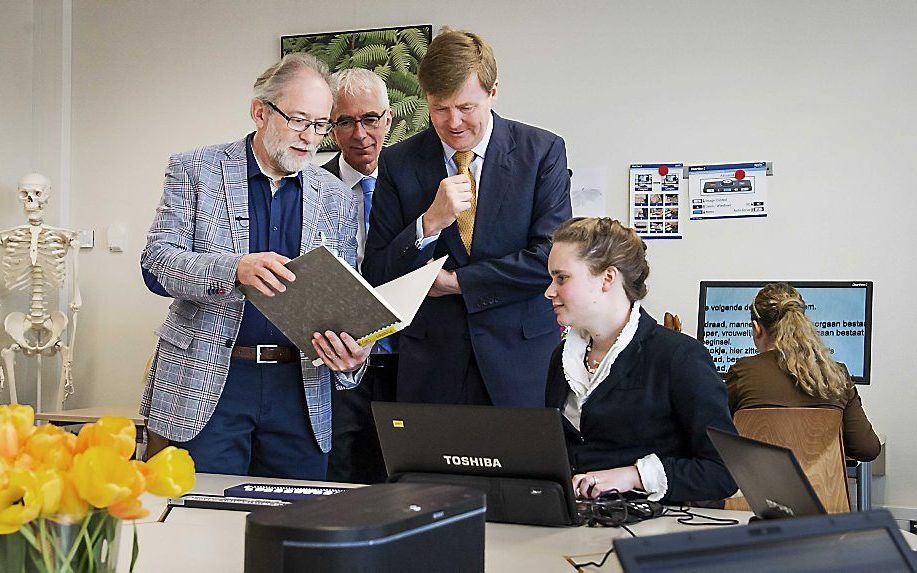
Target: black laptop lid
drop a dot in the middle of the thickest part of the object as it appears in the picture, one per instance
(517, 456)
(472, 440)
(769, 476)
(854, 542)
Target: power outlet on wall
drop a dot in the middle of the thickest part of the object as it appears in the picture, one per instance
(86, 238)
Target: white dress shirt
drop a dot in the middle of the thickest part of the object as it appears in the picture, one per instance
(351, 178)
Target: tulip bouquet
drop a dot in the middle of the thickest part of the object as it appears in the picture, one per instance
(62, 496)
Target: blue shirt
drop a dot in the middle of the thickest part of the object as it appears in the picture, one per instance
(275, 224)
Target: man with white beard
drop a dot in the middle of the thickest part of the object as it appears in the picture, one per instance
(225, 383)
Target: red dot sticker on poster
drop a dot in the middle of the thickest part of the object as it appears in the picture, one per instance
(740, 174)
(663, 170)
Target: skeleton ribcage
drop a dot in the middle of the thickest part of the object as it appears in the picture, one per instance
(17, 270)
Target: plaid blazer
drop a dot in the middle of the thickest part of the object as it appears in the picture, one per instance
(193, 248)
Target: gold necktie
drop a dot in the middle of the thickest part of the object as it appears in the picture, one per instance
(465, 219)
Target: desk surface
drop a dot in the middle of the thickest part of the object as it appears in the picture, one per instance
(89, 415)
(204, 541)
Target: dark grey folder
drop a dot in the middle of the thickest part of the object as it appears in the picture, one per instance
(328, 294)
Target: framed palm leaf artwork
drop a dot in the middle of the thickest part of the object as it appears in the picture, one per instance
(393, 53)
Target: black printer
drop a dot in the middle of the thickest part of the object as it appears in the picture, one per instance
(400, 527)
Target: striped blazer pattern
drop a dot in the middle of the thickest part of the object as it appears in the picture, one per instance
(193, 248)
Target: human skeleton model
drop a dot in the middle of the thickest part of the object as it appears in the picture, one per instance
(34, 258)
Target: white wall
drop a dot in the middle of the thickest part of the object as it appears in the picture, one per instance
(824, 89)
(33, 115)
(16, 29)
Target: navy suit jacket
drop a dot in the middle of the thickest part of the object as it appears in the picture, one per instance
(501, 316)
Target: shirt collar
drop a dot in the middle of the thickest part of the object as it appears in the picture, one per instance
(351, 176)
(481, 148)
(254, 166)
(580, 381)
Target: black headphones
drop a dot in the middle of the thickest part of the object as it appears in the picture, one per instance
(612, 509)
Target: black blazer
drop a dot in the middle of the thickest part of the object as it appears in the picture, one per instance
(501, 318)
(659, 397)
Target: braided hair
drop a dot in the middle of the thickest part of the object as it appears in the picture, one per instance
(801, 353)
(604, 242)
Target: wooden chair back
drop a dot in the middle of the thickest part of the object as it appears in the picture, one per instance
(815, 436)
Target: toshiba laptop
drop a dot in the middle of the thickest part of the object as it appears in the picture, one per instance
(517, 456)
(836, 543)
(769, 476)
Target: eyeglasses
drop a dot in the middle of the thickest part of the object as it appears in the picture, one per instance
(368, 121)
(300, 124)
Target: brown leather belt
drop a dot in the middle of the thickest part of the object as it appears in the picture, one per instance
(266, 353)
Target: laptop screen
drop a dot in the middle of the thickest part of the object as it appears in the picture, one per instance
(769, 476)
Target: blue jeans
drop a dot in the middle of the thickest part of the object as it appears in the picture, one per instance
(260, 426)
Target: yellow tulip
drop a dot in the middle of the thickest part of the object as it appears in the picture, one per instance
(170, 473)
(71, 504)
(103, 477)
(5, 468)
(20, 501)
(51, 486)
(110, 431)
(51, 447)
(130, 508)
(16, 425)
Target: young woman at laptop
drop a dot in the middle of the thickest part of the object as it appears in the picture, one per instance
(636, 397)
(794, 369)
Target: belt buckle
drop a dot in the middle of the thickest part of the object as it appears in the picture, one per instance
(258, 354)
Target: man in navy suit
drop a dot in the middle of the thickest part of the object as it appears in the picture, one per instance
(487, 192)
(362, 118)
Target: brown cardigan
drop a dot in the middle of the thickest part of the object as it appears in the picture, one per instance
(758, 382)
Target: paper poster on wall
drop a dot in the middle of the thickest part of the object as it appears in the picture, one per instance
(587, 192)
(655, 200)
(728, 190)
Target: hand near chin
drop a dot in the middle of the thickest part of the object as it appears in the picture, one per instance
(453, 196)
(593, 484)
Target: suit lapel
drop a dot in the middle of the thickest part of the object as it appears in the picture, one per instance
(431, 169)
(311, 202)
(235, 186)
(557, 389)
(496, 180)
(628, 359)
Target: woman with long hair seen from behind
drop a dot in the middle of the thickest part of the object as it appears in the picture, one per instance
(795, 369)
(636, 397)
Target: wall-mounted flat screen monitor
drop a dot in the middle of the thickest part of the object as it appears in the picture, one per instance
(841, 311)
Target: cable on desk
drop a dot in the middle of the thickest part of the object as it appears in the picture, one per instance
(611, 509)
(685, 516)
(600, 564)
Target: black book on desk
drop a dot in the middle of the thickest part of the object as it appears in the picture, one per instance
(329, 294)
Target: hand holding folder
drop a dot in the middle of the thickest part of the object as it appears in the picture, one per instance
(328, 294)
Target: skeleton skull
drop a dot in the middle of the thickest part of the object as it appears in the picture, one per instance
(34, 191)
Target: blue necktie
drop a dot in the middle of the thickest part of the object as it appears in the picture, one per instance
(368, 185)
